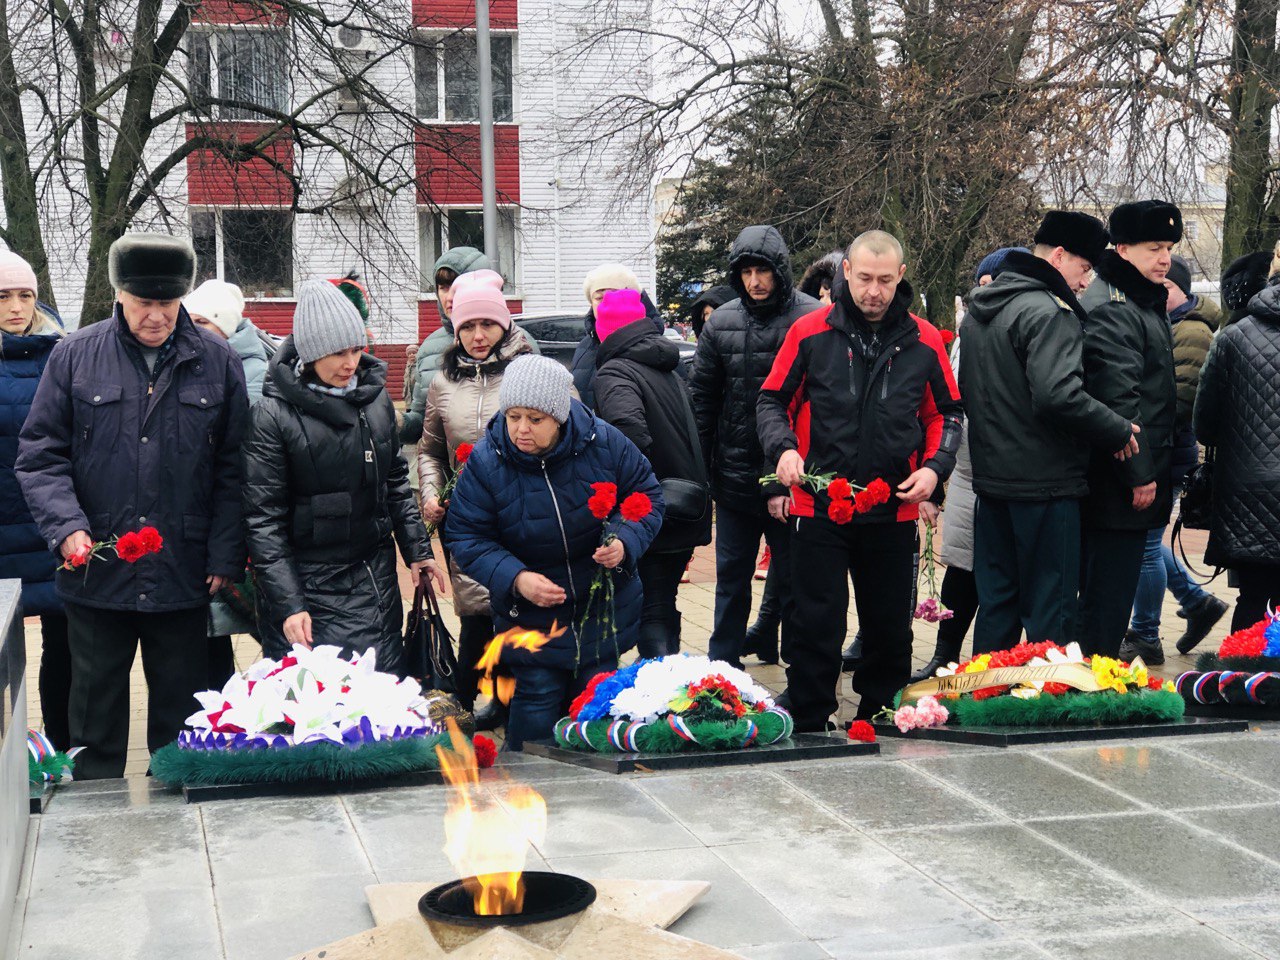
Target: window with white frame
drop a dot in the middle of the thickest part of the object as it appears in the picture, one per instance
(250, 248)
(443, 229)
(448, 79)
(243, 64)
(1191, 229)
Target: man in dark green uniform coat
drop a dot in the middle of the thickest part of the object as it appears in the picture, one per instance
(1032, 428)
(1128, 361)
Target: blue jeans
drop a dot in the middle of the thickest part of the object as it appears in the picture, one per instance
(1161, 570)
(542, 697)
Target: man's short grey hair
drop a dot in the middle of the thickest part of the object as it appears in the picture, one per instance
(878, 242)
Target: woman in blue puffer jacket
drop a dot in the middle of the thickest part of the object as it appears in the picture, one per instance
(29, 330)
(519, 524)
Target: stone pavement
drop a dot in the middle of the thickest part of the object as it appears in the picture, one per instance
(1141, 849)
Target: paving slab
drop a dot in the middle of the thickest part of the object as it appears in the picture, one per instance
(721, 806)
(844, 886)
(1153, 944)
(792, 950)
(1170, 859)
(270, 918)
(143, 923)
(294, 838)
(730, 914)
(1257, 828)
(1024, 785)
(1004, 950)
(871, 796)
(1165, 778)
(1254, 757)
(1262, 935)
(604, 816)
(130, 851)
(1005, 871)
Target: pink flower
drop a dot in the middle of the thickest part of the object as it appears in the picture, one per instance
(927, 712)
(931, 610)
(904, 718)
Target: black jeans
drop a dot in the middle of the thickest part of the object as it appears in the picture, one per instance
(103, 643)
(660, 575)
(738, 534)
(55, 679)
(959, 594)
(1259, 586)
(1111, 564)
(881, 558)
(473, 636)
(1026, 560)
(543, 696)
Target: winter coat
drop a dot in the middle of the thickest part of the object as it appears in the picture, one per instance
(458, 412)
(1193, 327)
(427, 360)
(736, 351)
(23, 553)
(638, 391)
(1032, 426)
(110, 447)
(864, 401)
(958, 518)
(584, 366)
(1128, 366)
(512, 512)
(1237, 411)
(712, 297)
(325, 490)
(255, 351)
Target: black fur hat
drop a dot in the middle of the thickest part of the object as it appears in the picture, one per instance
(1243, 278)
(1077, 233)
(153, 266)
(1145, 221)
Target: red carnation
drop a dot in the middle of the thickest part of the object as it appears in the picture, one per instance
(839, 489)
(878, 491)
(863, 501)
(947, 337)
(77, 560)
(861, 730)
(151, 539)
(463, 452)
(841, 511)
(636, 507)
(603, 500)
(130, 548)
(486, 752)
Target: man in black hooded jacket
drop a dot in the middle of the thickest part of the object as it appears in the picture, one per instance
(1128, 365)
(1032, 428)
(735, 354)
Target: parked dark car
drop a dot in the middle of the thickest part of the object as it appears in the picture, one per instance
(557, 335)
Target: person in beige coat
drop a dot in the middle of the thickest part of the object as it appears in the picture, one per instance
(462, 399)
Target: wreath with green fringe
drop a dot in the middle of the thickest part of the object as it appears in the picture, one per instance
(673, 704)
(1245, 672)
(1129, 694)
(46, 763)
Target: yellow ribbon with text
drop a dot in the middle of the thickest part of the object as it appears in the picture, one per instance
(1077, 675)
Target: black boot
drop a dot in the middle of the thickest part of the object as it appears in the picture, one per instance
(944, 652)
(852, 655)
(762, 639)
(491, 716)
(1199, 622)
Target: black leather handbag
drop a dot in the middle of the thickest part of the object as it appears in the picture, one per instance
(428, 645)
(1195, 503)
(688, 500)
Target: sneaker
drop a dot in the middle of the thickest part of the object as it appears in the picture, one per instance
(1151, 651)
(762, 568)
(1200, 621)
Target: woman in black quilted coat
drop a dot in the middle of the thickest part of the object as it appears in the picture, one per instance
(326, 490)
(1237, 411)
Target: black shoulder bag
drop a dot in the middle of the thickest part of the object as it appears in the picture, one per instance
(687, 500)
(1195, 508)
(428, 645)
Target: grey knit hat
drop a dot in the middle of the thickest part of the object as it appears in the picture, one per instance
(325, 322)
(538, 383)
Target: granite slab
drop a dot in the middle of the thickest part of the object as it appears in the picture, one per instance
(1019, 736)
(801, 746)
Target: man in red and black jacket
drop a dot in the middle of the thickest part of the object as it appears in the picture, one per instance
(861, 389)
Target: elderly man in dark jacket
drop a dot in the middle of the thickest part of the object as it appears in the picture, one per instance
(1128, 363)
(1032, 429)
(735, 354)
(137, 423)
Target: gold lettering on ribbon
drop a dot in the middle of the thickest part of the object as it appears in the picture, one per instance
(1077, 675)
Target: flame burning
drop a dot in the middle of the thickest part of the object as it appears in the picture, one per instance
(487, 845)
(502, 687)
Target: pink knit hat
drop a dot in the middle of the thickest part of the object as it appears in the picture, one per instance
(478, 296)
(617, 309)
(16, 273)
